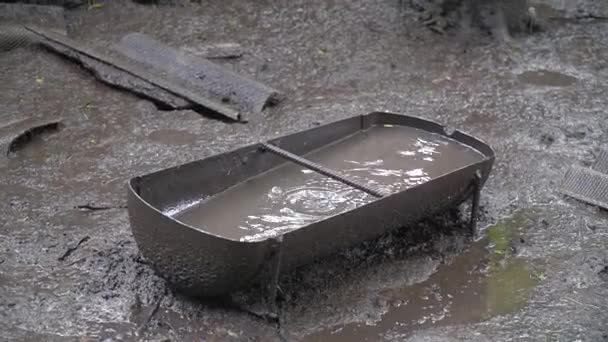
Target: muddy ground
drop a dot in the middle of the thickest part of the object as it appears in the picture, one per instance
(539, 271)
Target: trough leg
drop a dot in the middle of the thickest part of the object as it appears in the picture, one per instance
(475, 204)
(274, 311)
(273, 283)
(270, 310)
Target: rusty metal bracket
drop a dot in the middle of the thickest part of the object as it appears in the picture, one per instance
(274, 310)
(272, 287)
(474, 216)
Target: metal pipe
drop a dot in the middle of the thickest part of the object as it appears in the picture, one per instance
(322, 170)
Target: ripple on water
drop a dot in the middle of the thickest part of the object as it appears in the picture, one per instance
(294, 207)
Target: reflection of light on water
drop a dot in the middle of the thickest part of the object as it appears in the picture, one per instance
(377, 172)
(384, 172)
(180, 207)
(415, 173)
(367, 163)
(400, 178)
(424, 147)
(291, 208)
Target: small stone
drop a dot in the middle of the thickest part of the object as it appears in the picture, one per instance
(547, 139)
(603, 273)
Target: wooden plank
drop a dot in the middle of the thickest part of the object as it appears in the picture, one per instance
(139, 72)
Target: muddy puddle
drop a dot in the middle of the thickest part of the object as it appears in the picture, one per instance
(388, 158)
(546, 78)
(485, 281)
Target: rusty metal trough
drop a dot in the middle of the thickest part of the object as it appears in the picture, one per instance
(209, 260)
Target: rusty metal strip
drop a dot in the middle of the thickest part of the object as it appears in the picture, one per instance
(12, 37)
(212, 80)
(601, 162)
(322, 170)
(138, 72)
(586, 185)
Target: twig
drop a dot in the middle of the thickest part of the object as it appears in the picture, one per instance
(582, 17)
(93, 207)
(72, 249)
(579, 303)
(143, 326)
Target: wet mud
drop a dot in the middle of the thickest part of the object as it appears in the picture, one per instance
(172, 137)
(484, 281)
(333, 60)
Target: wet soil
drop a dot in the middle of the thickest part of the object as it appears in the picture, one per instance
(484, 281)
(333, 60)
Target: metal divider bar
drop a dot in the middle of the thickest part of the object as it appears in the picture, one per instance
(322, 170)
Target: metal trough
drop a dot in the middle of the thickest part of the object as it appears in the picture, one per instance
(210, 226)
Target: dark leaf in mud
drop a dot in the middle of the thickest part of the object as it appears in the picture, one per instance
(604, 273)
(20, 140)
(72, 249)
(93, 207)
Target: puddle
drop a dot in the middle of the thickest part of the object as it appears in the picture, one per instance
(546, 78)
(172, 137)
(389, 158)
(485, 281)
